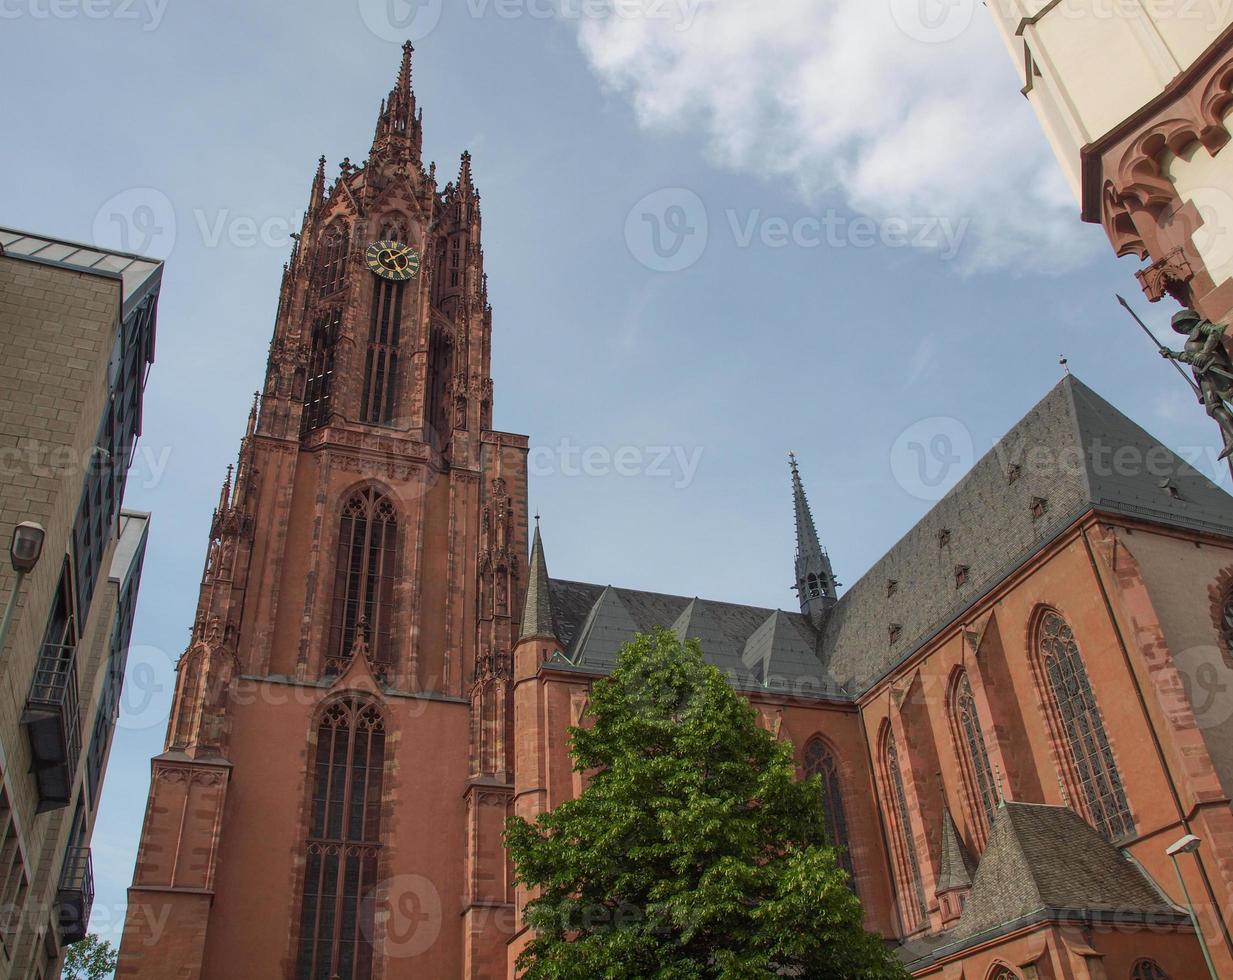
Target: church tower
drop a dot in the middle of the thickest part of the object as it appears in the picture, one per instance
(815, 580)
(337, 767)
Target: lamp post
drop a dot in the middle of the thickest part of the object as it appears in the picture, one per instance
(1188, 845)
(24, 553)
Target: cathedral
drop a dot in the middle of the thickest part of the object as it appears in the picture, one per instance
(1016, 713)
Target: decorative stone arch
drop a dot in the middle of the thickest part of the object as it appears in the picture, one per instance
(1214, 104)
(1092, 779)
(1221, 594)
(1000, 971)
(333, 255)
(1146, 968)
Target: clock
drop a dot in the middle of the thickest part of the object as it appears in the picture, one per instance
(393, 260)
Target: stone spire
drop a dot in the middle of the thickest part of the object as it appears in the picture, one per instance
(399, 123)
(815, 580)
(537, 618)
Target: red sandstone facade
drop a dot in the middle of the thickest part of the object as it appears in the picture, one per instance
(365, 699)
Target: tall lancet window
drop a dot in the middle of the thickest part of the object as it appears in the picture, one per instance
(820, 762)
(901, 825)
(1083, 728)
(440, 367)
(973, 753)
(320, 380)
(381, 359)
(337, 919)
(364, 581)
(332, 263)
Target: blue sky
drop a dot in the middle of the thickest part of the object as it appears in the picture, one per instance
(794, 151)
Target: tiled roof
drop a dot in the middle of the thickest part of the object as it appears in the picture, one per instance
(1071, 453)
(537, 611)
(1048, 857)
(957, 864)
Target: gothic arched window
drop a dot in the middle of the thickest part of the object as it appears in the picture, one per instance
(813, 586)
(1090, 755)
(973, 752)
(332, 262)
(364, 580)
(909, 865)
(820, 761)
(1003, 973)
(1147, 970)
(337, 918)
(381, 361)
(320, 379)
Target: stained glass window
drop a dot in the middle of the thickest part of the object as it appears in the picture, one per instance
(1090, 753)
(820, 761)
(337, 917)
(364, 580)
(903, 826)
(977, 770)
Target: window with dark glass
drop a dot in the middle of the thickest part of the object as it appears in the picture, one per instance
(364, 580)
(1147, 970)
(1226, 619)
(318, 385)
(381, 359)
(337, 915)
(1084, 730)
(977, 771)
(820, 762)
(332, 263)
(440, 366)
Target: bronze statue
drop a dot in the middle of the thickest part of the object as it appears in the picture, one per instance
(1213, 370)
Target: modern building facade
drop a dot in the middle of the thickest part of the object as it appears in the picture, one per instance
(78, 330)
(1135, 97)
(1001, 709)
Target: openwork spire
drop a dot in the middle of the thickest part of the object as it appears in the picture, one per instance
(815, 580)
(399, 128)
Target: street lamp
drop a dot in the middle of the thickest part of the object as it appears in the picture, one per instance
(24, 553)
(1189, 845)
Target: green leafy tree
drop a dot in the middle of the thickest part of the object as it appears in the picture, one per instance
(694, 852)
(90, 959)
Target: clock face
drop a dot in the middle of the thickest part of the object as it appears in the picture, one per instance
(393, 260)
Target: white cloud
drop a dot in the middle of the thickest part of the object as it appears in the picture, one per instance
(833, 96)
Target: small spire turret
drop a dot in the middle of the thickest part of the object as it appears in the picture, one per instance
(815, 579)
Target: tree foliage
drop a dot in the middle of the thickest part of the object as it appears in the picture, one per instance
(694, 852)
(90, 959)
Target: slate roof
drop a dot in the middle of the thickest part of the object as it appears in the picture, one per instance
(1074, 451)
(1048, 858)
(758, 649)
(1071, 453)
(537, 610)
(957, 864)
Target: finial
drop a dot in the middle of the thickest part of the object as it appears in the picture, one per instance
(537, 520)
(1064, 361)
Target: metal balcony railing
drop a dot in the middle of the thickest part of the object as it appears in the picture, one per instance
(75, 896)
(53, 724)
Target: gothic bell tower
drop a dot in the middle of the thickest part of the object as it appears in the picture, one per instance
(337, 767)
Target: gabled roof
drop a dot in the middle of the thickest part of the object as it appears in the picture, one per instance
(138, 275)
(1073, 452)
(1048, 858)
(594, 621)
